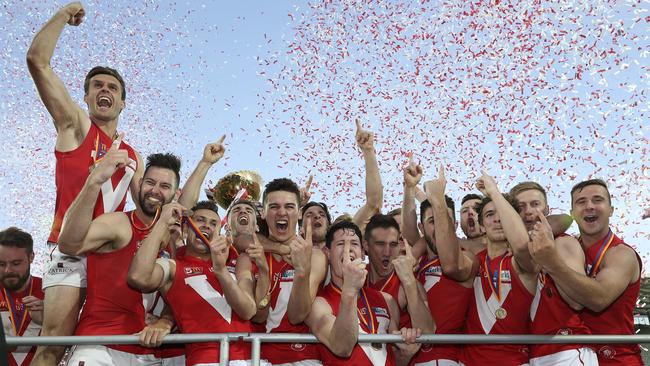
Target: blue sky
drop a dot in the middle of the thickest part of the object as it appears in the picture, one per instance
(554, 93)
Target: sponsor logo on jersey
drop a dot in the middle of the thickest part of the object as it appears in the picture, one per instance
(60, 269)
(287, 275)
(298, 346)
(380, 312)
(189, 271)
(505, 275)
(607, 352)
(433, 271)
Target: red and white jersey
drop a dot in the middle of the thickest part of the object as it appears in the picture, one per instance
(281, 275)
(71, 172)
(618, 318)
(448, 302)
(113, 307)
(391, 286)
(551, 315)
(376, 312)
(17, 322)
(493, 314)
(199, 306)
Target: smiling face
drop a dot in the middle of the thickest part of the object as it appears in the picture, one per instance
(209, 224)
(15, 265)
(469, 219)
(281, 213)
(528, 203)
(591, 209)
(382, 247)
(157, 188)
(104, 98)
(319, 223)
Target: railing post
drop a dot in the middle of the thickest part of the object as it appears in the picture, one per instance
(255, 350)
(224, 350)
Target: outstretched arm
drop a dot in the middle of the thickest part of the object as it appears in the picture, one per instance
(412, 176)
(68, 117)
(456, 263)
(374, 188)
(513, 225)
(212, 153)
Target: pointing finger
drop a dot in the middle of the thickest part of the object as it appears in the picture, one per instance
(308, 230)
(441, 171)
(346, 251)
(407, 249)
(220, 141)
(542, 218)
(358, 123)
(308, 184)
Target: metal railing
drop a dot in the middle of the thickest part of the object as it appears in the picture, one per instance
(257, 339)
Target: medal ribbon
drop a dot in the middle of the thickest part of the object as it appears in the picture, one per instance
(196, 230)
(542, 278)
(15, 314)
(495, 279)
(370, 322)
(426, 265)
(383, 286)
(275, 280)
(601, 253)
(146, 228)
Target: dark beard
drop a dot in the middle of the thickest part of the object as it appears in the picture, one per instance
(21, 282)
(146, 210)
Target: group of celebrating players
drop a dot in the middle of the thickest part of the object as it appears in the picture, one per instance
(283, 265)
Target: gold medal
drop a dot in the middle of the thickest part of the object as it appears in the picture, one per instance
(264, 302)
(501, 313)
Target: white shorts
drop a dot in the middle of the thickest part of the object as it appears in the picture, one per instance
(571, 357)
(440, 362)
(173, 361)
(65, 270)
(104, 356)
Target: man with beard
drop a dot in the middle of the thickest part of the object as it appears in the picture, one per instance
(110, 241)
(553, 311)
(81, 141)
(205, 283)
(295, 279)
(21, 304)
(392, 273)
(610, 290)
(348, 307)
(504, 277)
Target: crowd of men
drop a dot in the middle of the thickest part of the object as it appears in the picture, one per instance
(283, 265)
